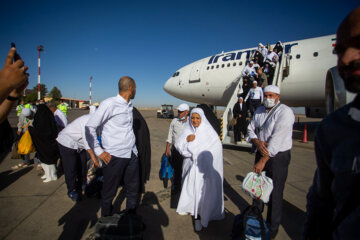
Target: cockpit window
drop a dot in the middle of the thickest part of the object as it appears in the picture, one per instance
(177, 74)
(174, 75)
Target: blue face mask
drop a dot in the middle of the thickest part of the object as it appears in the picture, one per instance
(182, 118)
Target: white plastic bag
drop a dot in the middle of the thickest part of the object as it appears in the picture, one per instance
(258, 186)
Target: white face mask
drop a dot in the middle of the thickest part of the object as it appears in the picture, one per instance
(182, 118)
(269, 102)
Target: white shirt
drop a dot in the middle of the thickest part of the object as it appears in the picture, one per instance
(272, 57)
(175, 130)
(263, 51)
(248, 70)
(115, 117)
(73, 136)
(60, 118)
(255, 93)
(277, 131)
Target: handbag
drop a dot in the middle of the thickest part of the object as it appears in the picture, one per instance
(26, 145)
(234, 121)
(258, 186)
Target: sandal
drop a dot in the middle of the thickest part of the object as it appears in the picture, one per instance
(18, 166)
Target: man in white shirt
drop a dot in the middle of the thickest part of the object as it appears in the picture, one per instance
(72, 147)
(118, 151)
(249, 70)
(176, 127)
(262, 49)
(270, 130)
(255, 96)
(60, 117)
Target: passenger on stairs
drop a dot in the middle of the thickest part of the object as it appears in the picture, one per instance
(255, 96)
(240, 114)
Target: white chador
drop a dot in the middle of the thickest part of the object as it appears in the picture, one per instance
(202, 180)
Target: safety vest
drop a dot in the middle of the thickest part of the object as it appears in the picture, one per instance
(19, 109)
(62, 107)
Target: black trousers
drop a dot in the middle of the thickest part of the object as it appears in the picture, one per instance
(240, 127)
(118, 169)
(75, 167)
(254, 104)
(177, 162)
(277, 169)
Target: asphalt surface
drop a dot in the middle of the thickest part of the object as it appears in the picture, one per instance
(31, 209)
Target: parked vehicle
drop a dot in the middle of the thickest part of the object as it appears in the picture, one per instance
(166, 111)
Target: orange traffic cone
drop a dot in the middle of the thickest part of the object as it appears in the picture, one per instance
(305, 134)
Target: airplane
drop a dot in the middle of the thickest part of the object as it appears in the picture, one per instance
(307, 77)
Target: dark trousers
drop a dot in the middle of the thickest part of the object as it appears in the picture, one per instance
(240, 127)
(277, 169)
(118, 170)
(75, 167)
(254, 104)
(177, 162)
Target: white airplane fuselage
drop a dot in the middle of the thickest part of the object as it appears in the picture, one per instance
(212, 80)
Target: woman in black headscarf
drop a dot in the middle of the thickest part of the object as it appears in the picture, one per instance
(43, 134)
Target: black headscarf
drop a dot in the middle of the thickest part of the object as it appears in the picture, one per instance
(43, 134)
(142, 135)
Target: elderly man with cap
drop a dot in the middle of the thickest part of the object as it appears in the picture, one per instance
(175, 130)
(270, 130)
(333, 204)
(249, 71)
(240, 114)
(255, 96)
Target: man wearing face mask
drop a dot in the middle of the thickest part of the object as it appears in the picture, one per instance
(270, 130)
(333, 205)
(176, 127)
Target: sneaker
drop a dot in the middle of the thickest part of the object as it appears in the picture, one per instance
(73, 195)
(43, 177)
(198, 225)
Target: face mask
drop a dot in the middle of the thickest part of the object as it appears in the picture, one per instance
(269, 102)
(182, 118)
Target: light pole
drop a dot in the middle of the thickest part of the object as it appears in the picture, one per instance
(90, 91)
(40, 48)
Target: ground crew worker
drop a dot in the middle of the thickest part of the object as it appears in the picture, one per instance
(270, 130)
(175, 129)
(255, 96)
(20, 107)
(62, 107)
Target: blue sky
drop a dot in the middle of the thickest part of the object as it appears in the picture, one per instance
(148, 40)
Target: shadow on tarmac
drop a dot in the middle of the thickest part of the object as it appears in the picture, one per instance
(77, 219)
(9, 177)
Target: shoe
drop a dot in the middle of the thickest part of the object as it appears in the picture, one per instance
(73, 195)
(43, 177)
(198, 225)
(47, 180)
(20, 165)
(183, 213)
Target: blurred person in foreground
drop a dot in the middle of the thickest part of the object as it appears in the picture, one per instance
(333, 204)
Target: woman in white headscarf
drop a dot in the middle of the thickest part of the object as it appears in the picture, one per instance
(202, 193)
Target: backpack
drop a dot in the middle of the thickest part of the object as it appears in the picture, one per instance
(122, 225)
(250, 225)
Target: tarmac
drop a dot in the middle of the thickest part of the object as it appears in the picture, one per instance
(31, 209)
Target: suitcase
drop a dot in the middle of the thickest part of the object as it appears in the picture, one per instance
(120, 226)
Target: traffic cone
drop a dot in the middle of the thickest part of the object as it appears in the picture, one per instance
(305, 134)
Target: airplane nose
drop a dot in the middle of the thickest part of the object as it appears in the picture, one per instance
(170, 86)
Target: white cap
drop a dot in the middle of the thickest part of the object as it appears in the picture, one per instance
(261, 45)
(252, 62)
(240, 98)
(26, 112)
(254, 82)
(272, 88)
(92, 109)
(183, 107)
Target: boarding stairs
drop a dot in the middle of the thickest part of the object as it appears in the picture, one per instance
(227, 133)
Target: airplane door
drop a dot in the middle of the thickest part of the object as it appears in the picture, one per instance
(195, 72)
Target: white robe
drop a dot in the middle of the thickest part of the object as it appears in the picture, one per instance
(202, 179)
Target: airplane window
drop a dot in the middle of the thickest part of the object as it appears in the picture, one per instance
(240, 63)
(177, 74)
(212, 67)
(207, 68)
(217, 66)
(316, 54)
(228, 64)
(234, 64)
(223, 65)
(297, 56)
